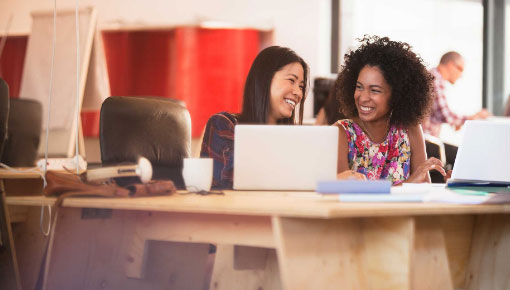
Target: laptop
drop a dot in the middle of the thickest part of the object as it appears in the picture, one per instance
(484, 153)
(284, 157)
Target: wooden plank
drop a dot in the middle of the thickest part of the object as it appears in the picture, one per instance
(9, 274)
(30, 200)
(331, 247)
(345, 253)
(18, 214)
(226, 277)
(458, 232)
(91, 254)
(285, 206)
(430, 261)
(30, 244)
(20, 173)
(195, 228)
(387, 248)
(490, 253)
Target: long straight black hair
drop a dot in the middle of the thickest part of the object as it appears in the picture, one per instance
(257, 89)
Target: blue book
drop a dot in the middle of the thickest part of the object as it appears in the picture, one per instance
(354, 186)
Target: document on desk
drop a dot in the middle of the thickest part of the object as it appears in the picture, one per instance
(405, 193)
(381, 197)
(455, 198)
(426, 192)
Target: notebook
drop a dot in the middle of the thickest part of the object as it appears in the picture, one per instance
(484, 153)
(284, 157)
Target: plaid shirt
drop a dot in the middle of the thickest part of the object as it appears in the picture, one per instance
(218, 144)
(440, 112)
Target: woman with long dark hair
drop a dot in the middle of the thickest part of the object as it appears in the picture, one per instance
(276, 85)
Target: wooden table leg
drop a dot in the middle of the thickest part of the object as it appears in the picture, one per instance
(458, 233)
(345, 253)
(430, 268)
(30, 244)
(490, 253)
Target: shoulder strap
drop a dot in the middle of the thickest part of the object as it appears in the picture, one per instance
(232, 118)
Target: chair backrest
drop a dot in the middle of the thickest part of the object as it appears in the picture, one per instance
(4, 112)
(435, 148)
(23, 134)
(158, 129)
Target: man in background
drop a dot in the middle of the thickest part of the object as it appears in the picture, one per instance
(450, 69)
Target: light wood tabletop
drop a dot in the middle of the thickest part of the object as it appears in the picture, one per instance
(264, 203)
(20, 173)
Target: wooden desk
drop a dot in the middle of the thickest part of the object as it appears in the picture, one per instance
(319, 243)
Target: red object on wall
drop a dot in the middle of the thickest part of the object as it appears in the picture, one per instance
(205, 68)
(90, 123)
(12, 61)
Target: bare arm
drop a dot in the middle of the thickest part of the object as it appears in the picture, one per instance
(420, 165)
(343, 171)
(343, 150)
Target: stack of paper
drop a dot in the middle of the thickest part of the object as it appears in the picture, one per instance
(415, 192)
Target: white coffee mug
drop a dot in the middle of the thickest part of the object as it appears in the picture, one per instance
(197, 174)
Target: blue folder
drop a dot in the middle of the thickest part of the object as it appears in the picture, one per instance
(354, 186)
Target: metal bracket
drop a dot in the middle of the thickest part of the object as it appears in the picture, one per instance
(96, 213)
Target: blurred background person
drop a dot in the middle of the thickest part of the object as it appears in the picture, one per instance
(450, 69)
(330, 112)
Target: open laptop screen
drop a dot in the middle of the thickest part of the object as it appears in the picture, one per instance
(484, 153)
(284, 157)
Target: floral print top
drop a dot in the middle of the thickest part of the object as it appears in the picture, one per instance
(390, 160)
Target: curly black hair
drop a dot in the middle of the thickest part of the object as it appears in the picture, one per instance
(411, 83)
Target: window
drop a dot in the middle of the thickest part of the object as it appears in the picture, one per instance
(432, 28)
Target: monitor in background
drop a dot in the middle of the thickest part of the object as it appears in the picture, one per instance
(484, 153)
(284, 157)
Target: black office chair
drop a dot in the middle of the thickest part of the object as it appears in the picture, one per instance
(23, 134)
(158, 129)
(4, 112)
(321, 92)
(435, 148)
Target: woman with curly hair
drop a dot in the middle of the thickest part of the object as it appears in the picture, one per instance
(385, 90)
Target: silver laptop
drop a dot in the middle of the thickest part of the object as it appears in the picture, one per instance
(484, 153)
(284, 157)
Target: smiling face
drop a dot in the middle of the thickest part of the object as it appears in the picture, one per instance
(372, 95)
(286, 91)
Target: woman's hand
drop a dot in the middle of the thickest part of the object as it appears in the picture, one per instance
(421, 172)
(448, 175)
(350, 174)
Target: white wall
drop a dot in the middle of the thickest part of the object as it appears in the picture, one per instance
(303, 25)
